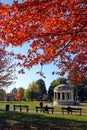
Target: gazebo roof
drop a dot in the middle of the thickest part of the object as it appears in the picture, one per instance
(63, 87)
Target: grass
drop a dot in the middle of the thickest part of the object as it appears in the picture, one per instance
(73, 122)
(40, 120)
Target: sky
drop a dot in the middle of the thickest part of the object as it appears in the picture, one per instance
(25, 79)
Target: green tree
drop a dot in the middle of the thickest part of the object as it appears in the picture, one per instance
(82, 91)
(42, 88)
(32, 92)
(56, 82)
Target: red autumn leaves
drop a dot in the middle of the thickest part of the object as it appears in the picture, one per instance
(56, 31)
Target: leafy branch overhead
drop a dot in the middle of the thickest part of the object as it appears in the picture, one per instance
(56, 31)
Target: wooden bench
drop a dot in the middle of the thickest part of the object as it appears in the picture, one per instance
(71, 109)
(21, 107)
(43, 109)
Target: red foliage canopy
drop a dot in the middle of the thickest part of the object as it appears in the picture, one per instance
(56, 31)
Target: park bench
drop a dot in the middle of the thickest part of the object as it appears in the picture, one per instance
(71, 109)
(43, 109)
(21, 107)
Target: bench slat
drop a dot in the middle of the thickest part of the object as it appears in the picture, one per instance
(21, 107)
(72, 110)
(42, 109)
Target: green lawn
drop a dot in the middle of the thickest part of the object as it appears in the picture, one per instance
(43, 121)
(30, 104)
(55, 121)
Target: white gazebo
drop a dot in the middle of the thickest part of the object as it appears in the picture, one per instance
(63, 95)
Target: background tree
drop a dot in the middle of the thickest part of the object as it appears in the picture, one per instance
(21, 91)
(57, 29)
(18, 96)
(7, 75)
(32, 92)
(42, 88)
(2, 95)
(56, 82)
(82, 91)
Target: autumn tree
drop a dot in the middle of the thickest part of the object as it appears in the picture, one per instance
(21, 91)
(18, 96)
(7, 75)
(55, 30)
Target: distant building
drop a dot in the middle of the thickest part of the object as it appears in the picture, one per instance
(14, 90)
(63, 95)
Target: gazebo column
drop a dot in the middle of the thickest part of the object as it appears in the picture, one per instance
(54, 96)
(72, 96)
(65, 95)
(60, 95)
(57, 96)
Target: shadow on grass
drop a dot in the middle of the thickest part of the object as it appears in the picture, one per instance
(28, 121)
